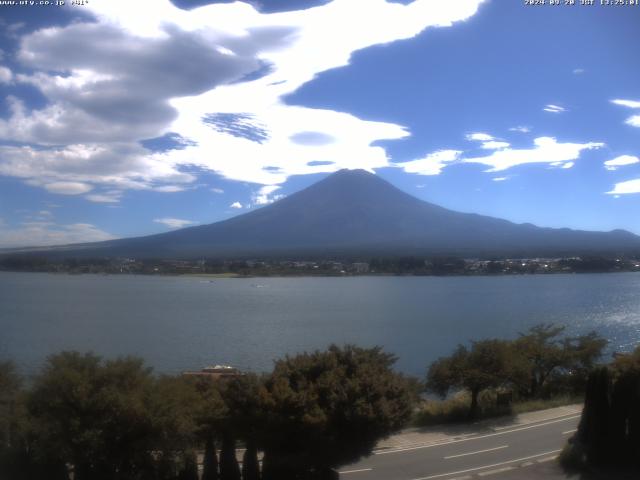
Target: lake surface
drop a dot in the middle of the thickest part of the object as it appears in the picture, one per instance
(179, 323)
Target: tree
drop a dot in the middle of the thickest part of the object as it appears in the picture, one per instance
(544, 353)
(583, 353)
(10, 385)
(609, 431)
(229, 468)
(244, 397)
(210, 460)
(486, 365)
(330, 408)
(95, 415)
(173, 407)
(210, 415)
(190, 468)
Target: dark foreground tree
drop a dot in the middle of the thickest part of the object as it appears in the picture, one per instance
(190, 467)
(609, 432)
(244, 397)
(330, 408)
(112, 419)
(229, 468)
(488, 364)
(93, 415)
(210, 460)
(9, 391)
(211, 416)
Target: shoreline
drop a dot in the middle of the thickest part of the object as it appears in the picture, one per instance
(231, 275)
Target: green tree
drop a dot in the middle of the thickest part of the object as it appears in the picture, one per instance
(584, 352)
(94, 415)
(488, 364)
(10, 385)
(330, 408)
(245, 399)
(210, 460)
(190, 467)
(211, 416)
(173, 407)
(544, 353)
(609, 431)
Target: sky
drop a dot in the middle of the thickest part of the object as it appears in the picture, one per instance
(122, 118)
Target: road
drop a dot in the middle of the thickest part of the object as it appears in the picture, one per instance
(494, 451)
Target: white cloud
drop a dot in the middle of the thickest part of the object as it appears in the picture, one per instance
(169, 189)
(479, 137)
(217, 190)
(107, 197)
(68, 188)
(174, 222)
(578, 71)
(521, 129)
(494, 145)
(634, 121)
(554, 108)
(5, 75)
(264, 195)
(125, 166)
(432, 164)
(620, 161)
(500, 179)
(489, 142)
(236, 205)
(563, 165)
(545, 150)
(625, 188)
(44, 233)
(147, 68)
(626, 103)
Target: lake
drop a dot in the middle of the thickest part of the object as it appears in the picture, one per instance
(179, 323)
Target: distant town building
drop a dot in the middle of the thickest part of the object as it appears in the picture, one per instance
(360, 267)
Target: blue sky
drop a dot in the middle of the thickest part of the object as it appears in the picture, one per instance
(128, 118)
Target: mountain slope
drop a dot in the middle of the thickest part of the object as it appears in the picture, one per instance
(356, 212)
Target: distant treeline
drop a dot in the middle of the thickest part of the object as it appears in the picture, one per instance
(392, 265)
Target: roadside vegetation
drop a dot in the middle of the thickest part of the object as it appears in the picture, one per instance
(87, 418)
(542, 368)
(114, 420)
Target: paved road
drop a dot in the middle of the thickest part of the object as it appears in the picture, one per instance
(495, 451)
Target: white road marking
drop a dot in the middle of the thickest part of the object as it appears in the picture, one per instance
(449, 442)
(570, 431)
(475, 453)
(493, 472)
(547, 459)
(488, 466)
(355, 471)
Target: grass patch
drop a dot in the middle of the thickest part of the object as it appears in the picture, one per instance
(455, 409)
(543, 404)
